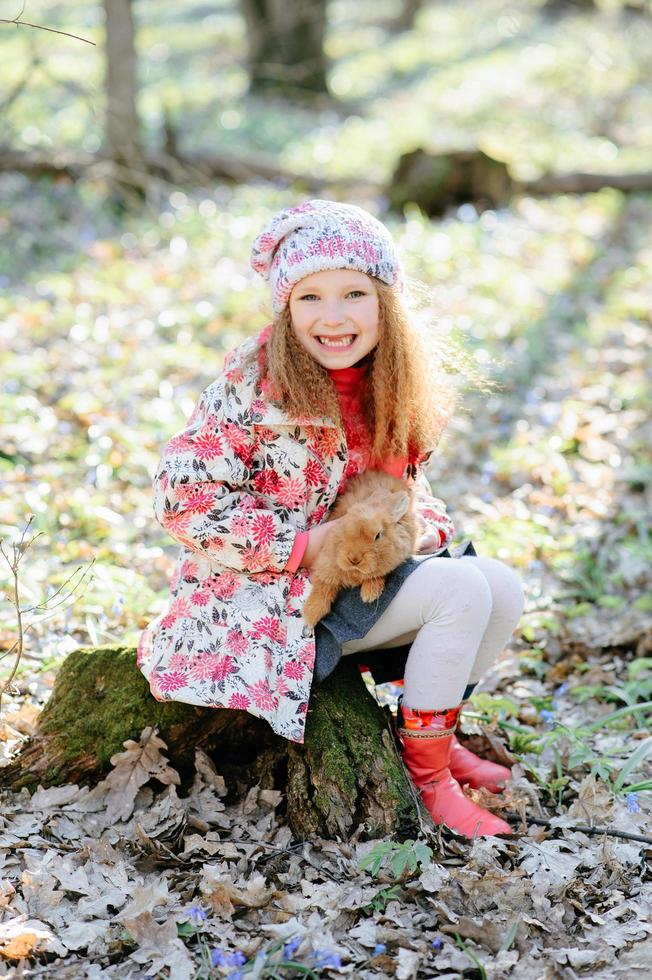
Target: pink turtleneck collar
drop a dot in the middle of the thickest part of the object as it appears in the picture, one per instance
(348, 381)
(349, 384)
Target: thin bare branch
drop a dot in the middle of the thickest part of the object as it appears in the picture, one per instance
(19, 549)
(46, 604)
(608, 831)
(7, 653)
(52, 612)
(40, 27)
(18, 552)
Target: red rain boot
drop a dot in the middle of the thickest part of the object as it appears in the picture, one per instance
(468, 768)
(426, 737)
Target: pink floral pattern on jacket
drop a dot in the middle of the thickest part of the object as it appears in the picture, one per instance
(234, 488)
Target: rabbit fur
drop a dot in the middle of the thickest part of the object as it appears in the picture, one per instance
(378, 533)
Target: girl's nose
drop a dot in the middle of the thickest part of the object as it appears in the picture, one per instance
(333, 314)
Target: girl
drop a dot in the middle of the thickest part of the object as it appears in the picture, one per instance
(339, 381)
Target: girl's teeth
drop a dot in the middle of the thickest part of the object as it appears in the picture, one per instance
(345, 342)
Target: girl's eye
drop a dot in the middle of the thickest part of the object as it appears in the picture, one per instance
(354, 292)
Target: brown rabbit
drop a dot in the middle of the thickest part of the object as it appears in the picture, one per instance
(378, 533)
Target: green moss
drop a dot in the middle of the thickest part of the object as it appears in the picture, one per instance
(345, 730)
(101, 699)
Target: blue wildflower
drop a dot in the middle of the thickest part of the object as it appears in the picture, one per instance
(436, 943)
(324, 958)
(217, 958)
(632, 803)
(236, 959)
(379, 948)
(561, 690)
(236, 975)
(198, 915)
(547, 716)
(290, 947)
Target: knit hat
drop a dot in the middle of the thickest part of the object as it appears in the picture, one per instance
(322, 235)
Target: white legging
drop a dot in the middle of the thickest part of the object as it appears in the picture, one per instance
(458, 614)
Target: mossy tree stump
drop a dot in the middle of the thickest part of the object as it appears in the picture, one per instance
(436, 181)
(346, 773)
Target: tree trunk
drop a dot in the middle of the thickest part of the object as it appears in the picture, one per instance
(122, 130)
(580, 6)
(286, 45)
(578, 182)
(407, 16)
(569, 5)
(346, 773)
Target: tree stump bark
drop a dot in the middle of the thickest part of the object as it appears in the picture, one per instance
(347, 772)
(438, 181)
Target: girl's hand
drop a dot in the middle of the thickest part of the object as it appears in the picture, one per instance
(429, 543)
(316, 536)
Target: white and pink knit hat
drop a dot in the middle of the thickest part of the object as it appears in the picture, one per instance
(322, 235)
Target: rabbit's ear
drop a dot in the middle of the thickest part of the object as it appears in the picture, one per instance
(401, 506)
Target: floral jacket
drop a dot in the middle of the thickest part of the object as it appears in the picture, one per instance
(234, 488)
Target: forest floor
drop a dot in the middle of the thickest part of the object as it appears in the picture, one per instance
(112, 323)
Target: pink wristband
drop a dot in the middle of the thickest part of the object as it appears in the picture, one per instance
(298, 550)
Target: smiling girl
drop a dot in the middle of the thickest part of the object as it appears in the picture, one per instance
(338, 382)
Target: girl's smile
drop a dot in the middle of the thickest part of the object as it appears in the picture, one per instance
(335, 316)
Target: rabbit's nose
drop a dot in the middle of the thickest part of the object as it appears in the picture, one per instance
(355, 561)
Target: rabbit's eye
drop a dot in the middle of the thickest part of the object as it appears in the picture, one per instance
(379, 535)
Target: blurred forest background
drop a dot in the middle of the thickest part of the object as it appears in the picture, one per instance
(507, 144)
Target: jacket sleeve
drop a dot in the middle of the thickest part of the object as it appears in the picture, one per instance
(203, 496)
(432, 510)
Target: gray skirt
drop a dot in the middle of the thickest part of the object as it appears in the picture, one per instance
(350, 619)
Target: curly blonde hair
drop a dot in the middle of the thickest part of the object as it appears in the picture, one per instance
(411, 394)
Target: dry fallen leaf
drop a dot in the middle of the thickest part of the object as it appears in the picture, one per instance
(7, 892)
(594, 803)
(81, 934)
(145, 899)
(21, 935)
(133, 768)
(208, 773)
(24, 719)
(20, 946)
(53, 797)
(551, 863)
(224, 894)
(211, 844)
(408, 964)
(159, 946)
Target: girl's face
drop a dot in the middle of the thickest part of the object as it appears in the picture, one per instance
(335, 316)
